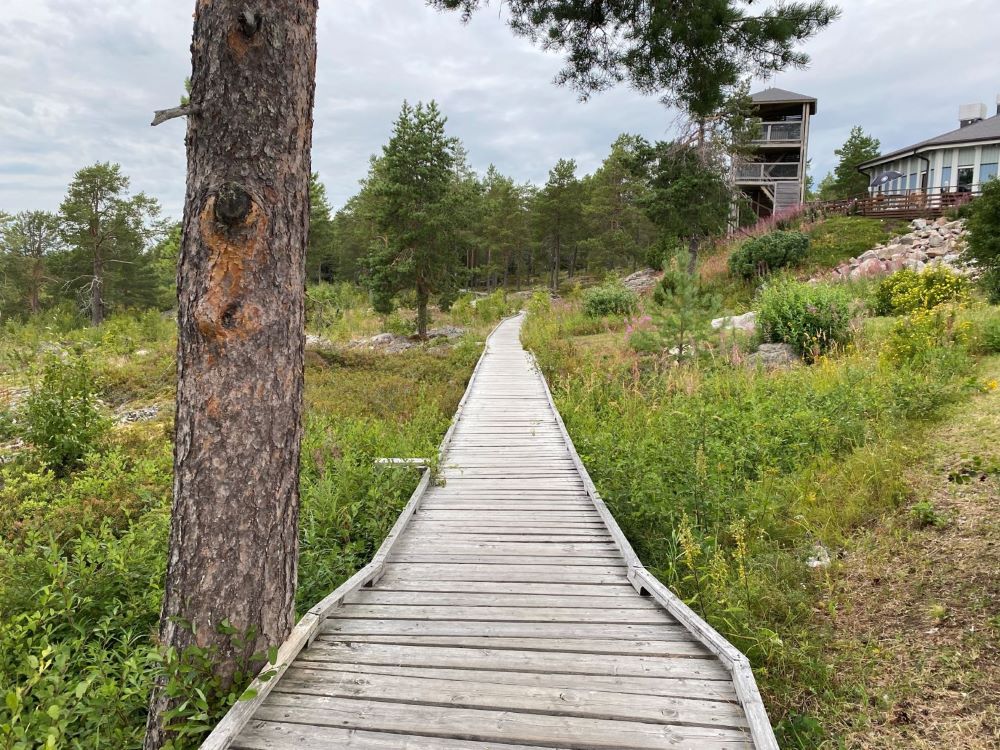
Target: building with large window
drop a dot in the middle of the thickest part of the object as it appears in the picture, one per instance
(959, 161)
(775, 178)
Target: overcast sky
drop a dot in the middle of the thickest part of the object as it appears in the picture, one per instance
(79, 80)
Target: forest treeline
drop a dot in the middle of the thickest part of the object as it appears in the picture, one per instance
(107, 249)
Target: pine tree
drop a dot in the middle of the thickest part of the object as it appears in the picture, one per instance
(411, 185)
(558, 214)
(619, 231)
(682, 311)
(28, 242)
(847, 181)
(320, 261)
(688, 52)
(107, 232)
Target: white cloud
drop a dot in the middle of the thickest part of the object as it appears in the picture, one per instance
(81, 79)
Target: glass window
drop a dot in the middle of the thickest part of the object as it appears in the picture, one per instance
(930, 180)
(966, 157)
(913, 181)
(945, 178)
(987, 172)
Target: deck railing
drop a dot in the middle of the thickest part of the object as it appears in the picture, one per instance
(767, 171)
(919, 202)
(779, 132)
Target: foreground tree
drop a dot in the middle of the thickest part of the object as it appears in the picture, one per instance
(27, 243)
(412, 182)
(233, 535)
(847, 182)
(107, 231)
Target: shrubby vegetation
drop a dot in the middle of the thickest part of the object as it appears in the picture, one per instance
(906, 290)
(726, 478)
(984, 237)
(83, 521)
(813, 318)
(760, 256)
(609, 299)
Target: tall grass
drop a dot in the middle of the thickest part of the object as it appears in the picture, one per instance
(725, 478)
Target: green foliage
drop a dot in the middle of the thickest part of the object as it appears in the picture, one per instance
(28, 241)
(724, 478)
(61, 417)
(924, 514)
(321, 262)
(558, 216)
(906, 290)
(411, 186)
(984, 331)
(813, 318)
(923, 333)
(681, 314)
(609, 299)
(760, 256)
(689, 196)
(108, 232)
(983, 243)
(839, 238)
(689, 53)
(847, 182)
(76, 664)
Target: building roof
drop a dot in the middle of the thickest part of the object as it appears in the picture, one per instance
(984, 130)
(781, 96)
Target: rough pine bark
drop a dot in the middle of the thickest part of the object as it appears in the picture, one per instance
(241, 286)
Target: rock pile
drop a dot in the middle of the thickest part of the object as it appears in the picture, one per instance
(642, 281)
(938, 243)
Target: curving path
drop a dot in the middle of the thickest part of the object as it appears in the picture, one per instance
(506, 610)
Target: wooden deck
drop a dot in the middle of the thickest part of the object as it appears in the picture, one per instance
(505, 610)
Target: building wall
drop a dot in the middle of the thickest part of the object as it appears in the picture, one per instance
(944, 163)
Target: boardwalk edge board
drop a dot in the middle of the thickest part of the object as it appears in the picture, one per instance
(307, 628)
(646, 583)
(310, 626)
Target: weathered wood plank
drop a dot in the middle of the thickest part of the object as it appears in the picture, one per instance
(468, 599)
(511, 660)
(716, 690)
(273, 735)
(585, 703)
(484, 725)
(507, 614)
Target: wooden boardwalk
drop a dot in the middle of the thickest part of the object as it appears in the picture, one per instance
(505, 610)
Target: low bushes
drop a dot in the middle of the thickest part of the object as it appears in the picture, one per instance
(983, 226)
(906, 290)
(813, 318)
(61, 417)
(763, 255)
(609, 299)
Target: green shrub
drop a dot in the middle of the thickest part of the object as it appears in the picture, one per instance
(811, 317)
(983, 226)
(609, 299)
(763, 255)
(493, 306)
(906, 290)
(61, 417)
(985, 333)
(923, 333)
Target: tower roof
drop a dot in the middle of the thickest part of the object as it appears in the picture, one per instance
(781, 96)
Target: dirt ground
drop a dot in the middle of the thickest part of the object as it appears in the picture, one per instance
(917, 621)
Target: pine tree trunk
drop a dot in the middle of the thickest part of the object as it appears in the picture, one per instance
(423, 298)
(241, 286)
(692, 256)
(96, 292)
